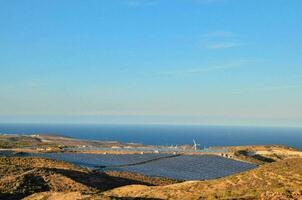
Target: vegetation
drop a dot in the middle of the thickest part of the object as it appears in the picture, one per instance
(46, 179)
(279, 176)
(20, 177)
(278, 180)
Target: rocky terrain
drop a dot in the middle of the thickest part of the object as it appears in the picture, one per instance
(20, 177)
(278, 180)
(37, 178)
(278, 176)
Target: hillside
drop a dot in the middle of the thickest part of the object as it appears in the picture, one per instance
(37, 178)
(20, 177)
(279, 180)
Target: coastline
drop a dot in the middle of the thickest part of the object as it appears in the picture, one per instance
(120, 184)
(40, 143)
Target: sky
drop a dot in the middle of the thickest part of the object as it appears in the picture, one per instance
(210, 62)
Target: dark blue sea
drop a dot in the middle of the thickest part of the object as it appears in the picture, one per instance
(206, 136)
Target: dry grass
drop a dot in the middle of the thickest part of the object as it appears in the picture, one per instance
(280, 180)
(46, 179)
(20, 177)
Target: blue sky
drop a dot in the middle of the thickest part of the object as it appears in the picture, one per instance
(224, 62)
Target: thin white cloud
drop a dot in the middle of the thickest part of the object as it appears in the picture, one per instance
(270, 88)
(219, 34)
(208, 1)
(278, 87)
(141, 3)
(200, 70)
(223, 45)
(220, 40)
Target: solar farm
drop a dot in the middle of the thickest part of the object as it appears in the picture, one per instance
(180, 167)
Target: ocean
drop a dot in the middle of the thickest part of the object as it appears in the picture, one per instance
(206, 136)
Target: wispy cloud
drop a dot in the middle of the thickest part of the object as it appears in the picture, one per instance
(141, 3)
(219, 34)
(268, 88)
(223, 45)
(278, 87)
(200, 70)
(34, 84)
(220, 40)
(208, 1)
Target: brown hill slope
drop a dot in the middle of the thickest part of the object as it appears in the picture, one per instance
(48, 179)
(279, 180)
(20, 177)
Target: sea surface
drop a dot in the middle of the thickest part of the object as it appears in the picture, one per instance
(206, 136)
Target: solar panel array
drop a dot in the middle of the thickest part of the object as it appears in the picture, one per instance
(184, 167)
(191, 167)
